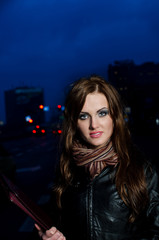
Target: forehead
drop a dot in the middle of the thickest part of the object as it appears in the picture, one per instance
(95, 101)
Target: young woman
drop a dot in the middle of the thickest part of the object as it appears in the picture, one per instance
(105, 189)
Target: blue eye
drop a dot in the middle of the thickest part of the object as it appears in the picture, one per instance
(103, 113)
(83, 116)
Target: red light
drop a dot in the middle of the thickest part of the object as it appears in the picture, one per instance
(34, 131)
(31, 120)
(58, 106)
(43, 130)
(41, 106)
(59, 131)
(53, 131)
(37, 126)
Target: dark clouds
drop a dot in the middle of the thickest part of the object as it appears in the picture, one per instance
(48, 43)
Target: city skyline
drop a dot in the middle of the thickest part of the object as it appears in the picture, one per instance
(50, 44)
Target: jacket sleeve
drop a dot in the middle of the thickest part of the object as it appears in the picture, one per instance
(153, 207)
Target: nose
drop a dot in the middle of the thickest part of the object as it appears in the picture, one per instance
(93, 123)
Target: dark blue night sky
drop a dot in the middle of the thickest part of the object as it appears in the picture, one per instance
(50, 43)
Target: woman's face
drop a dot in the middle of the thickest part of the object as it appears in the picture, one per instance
(94, 122)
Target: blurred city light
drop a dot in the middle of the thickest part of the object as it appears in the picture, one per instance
(41, 106)
(27, 118)
(59, 106)
(63, 108)
(46, 108)
(1, 123)
(30, 120)
(157, 121)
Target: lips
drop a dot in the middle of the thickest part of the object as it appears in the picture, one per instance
(95, 134)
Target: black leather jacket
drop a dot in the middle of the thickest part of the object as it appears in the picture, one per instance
(93, 210)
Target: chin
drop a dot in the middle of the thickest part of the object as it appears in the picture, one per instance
(97, 144)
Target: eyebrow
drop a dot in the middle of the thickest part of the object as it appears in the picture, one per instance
(104, 108)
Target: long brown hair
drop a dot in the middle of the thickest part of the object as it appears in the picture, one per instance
(130, 180)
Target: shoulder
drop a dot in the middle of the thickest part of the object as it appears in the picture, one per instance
(152, 176)
(141, 161)
(151, 170)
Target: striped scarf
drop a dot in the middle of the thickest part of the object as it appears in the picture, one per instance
(94, 160)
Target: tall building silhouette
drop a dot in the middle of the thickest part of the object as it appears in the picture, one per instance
(139, 86)
(23, 102)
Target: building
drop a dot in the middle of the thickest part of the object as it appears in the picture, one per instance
(138, 86)
(23, 103)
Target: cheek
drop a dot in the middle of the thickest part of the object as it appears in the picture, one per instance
(82, 129)
(109, 125)
(112, 127)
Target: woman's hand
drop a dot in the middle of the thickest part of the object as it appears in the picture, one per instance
(51, 234)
